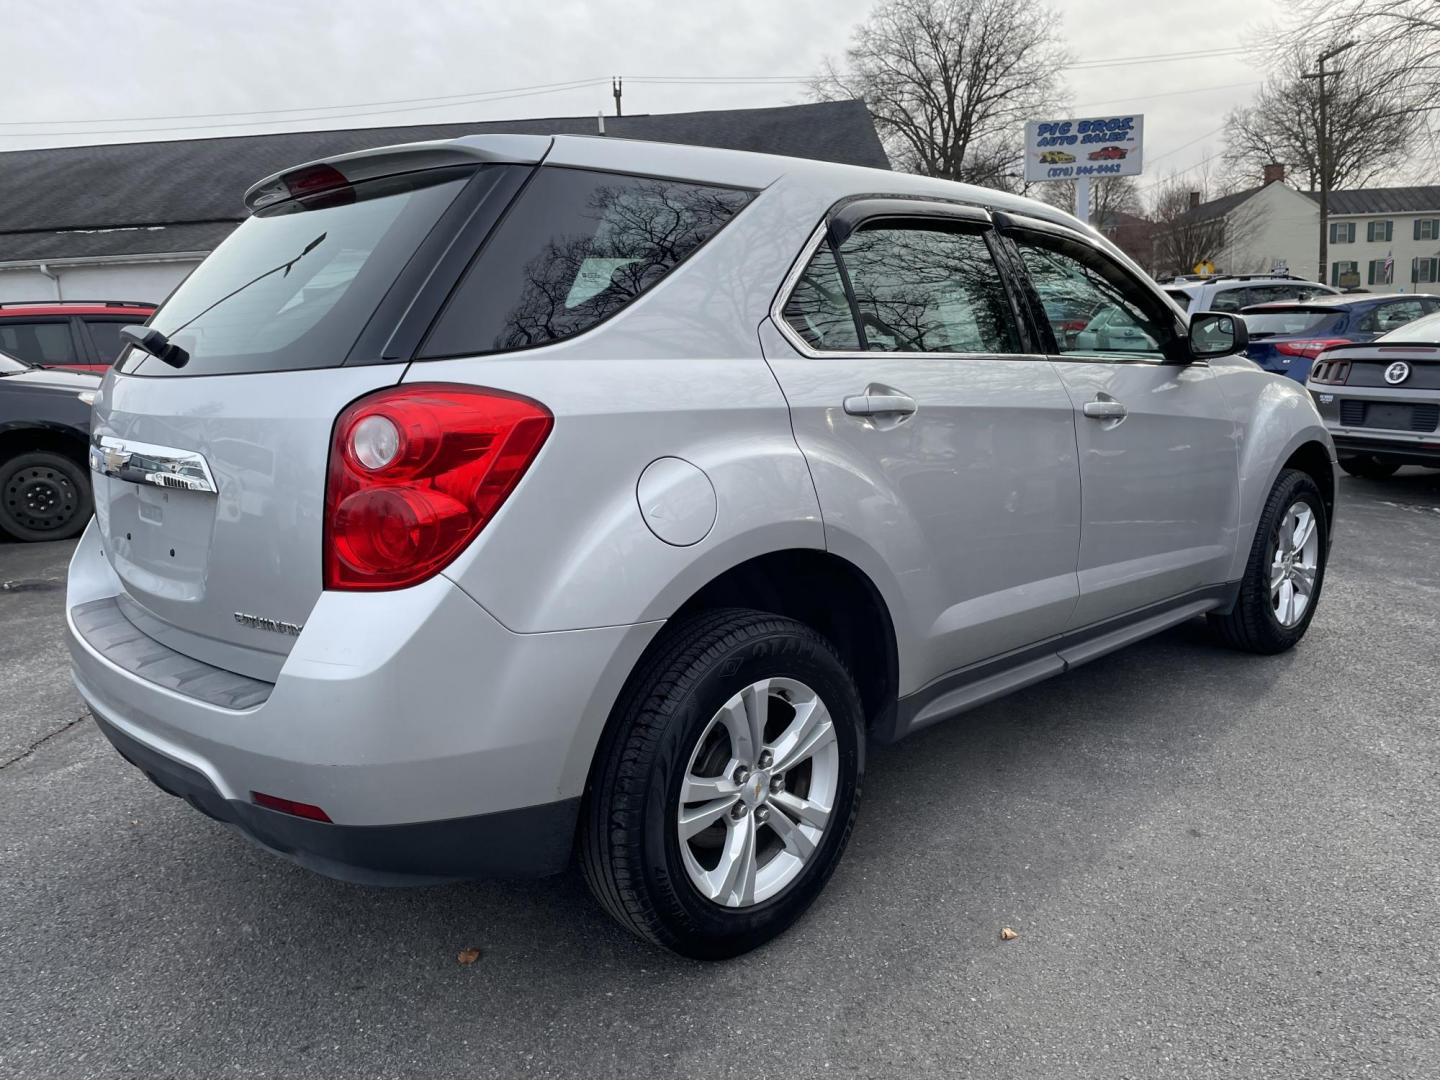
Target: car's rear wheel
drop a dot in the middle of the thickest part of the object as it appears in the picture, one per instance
(724, 792)
(1281, 584)
(43, 496)
(1368, 466)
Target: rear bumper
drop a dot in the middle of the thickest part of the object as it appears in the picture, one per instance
(425, 730)
(1405, 451)
(527, 842)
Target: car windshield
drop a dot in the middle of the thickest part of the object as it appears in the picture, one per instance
(1425, 331)
(10, 365)
(1281, 323)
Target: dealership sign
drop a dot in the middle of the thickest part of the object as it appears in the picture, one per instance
(1093, 148)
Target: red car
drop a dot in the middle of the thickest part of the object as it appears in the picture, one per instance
(78, 335)
(1108, 153)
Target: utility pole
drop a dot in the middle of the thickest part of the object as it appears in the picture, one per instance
(617, 87)
(1320, 74)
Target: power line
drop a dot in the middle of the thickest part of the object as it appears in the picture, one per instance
(294, 119)
(345, 111)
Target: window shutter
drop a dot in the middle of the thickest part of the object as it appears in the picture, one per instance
(1415, 263)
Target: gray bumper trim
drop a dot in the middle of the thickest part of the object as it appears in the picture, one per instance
(106, 629)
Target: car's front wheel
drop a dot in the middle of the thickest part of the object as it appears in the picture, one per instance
(1286, 569)
(1367, 466)
(43, 496)
(725, 790)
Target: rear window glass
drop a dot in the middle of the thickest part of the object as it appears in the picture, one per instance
(576, 248)
(295, 284)
(1285, 322)
(38, 342)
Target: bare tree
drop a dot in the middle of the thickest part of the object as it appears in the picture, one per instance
(950, 83)
(1184, 235)
(1373, 122)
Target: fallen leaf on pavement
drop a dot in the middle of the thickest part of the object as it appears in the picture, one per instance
(468, 956)
(1008, 935)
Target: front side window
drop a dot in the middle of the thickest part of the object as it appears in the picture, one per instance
(38, 342)
(576, 247)
(1342, 232)
(932, 290)
(1379, 230)
(1124, 321)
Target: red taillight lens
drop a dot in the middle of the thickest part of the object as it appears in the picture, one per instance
(289, 806)
(415, 473)
(1312, 347)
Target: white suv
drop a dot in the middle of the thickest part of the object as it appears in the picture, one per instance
(1237, 293)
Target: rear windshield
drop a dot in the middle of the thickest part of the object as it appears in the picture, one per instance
(1280, 323)
(577, 247)
(295, 284)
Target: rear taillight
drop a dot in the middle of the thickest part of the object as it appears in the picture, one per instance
(415, 473)
(1311, 347)
(1330, 372)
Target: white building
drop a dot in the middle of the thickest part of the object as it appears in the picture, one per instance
(1274, 225)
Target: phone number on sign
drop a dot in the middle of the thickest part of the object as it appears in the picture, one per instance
(1070, 172)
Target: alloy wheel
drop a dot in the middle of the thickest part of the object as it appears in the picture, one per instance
(1294, 564)
(758, 792)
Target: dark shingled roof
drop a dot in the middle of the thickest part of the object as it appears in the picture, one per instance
(1396, 200)
(1385, 200)
(1219, 207)
(55, 199)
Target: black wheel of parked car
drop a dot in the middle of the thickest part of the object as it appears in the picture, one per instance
(725, 789)
(1281, 585)
(1368, 466)
(43, 496)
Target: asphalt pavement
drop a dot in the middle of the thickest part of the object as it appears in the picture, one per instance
(1218, 865)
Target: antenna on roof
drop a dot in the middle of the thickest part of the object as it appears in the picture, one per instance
(600, 118)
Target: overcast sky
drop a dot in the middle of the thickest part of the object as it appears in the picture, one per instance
(78, 71)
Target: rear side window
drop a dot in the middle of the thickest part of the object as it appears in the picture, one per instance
(38, 342)
(295, 284)
(928, 290)
(818, 309)
(105, 334)
(576, 247)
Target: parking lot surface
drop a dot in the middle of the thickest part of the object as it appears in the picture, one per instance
(1218, 865)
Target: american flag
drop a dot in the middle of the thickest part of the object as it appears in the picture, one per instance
(1389, 266)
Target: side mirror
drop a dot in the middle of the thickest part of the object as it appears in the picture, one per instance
(1215, 333)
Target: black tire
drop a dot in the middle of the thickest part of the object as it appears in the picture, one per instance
(1367, 466)
(629, 840)
(1252, 624)
(43, 496)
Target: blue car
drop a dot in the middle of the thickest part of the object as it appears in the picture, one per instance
(1286, 336)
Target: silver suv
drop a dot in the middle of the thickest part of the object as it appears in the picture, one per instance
(479, 503)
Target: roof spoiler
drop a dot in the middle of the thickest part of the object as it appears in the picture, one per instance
(390, 160)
